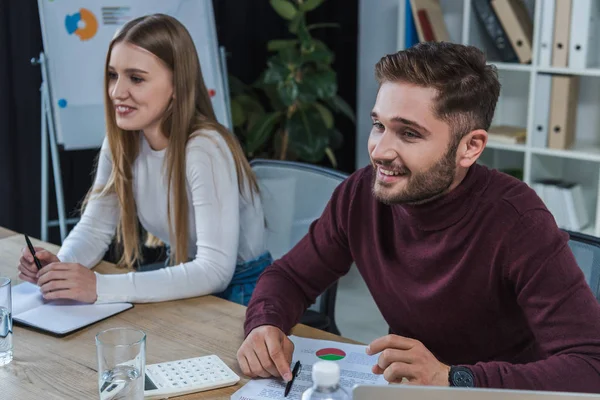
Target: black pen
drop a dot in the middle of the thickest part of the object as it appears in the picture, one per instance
(32, 250)
(288, 387)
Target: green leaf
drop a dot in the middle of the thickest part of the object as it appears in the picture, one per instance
(303, 33)
(275, 73)
(325, 114)
(319, 44)
(237, 113)
(323, 83)
(338, 104)
(273, 95)
(331, 157)
(253, 118)
(317, 51)
(288, 91)
(290, 56)
(276, 45)
(298, 19)
(284, 8)
(308, 135)
(250, 104)
(323, 25)
(261, 131)
(310, 5)
(318, 55)
(306, 93)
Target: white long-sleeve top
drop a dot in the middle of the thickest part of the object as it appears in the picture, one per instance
(225, 227)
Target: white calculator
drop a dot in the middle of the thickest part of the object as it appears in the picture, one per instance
(176, 378)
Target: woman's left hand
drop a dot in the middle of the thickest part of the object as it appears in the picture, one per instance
(67, 281)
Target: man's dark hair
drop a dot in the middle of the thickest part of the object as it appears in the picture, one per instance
(468, 88)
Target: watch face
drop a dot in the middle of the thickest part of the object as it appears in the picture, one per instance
(462, 377)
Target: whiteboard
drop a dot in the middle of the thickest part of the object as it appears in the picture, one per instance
(76, 35)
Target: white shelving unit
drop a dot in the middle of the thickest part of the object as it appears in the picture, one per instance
(580, 163)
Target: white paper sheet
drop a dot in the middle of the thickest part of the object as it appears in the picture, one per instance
(355, 368)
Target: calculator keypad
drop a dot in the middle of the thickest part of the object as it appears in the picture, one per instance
(200, 372)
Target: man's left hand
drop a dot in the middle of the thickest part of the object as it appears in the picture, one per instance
(404, 358)
(67, 281)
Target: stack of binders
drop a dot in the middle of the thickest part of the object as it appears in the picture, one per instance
(555, 111)
(568, 32)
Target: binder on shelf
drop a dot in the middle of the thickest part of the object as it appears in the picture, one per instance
(541, 110)
(563, 111)
(546, 34)
(493, 28)
(562, 23)
(429, 20)
(583, 33)
(517, 24)
(411, 37)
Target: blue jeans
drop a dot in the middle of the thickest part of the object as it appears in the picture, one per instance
(244, 279)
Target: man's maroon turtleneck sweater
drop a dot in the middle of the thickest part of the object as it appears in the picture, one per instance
(481, 276)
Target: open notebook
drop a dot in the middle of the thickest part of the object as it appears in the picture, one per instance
(59, 317)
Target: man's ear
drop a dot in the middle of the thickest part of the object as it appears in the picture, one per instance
(471, 146)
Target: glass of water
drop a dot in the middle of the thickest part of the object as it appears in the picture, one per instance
(121, 363)
(6, 346)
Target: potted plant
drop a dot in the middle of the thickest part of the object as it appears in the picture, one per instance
(289, 112)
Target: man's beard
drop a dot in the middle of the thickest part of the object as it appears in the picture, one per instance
(422, 186)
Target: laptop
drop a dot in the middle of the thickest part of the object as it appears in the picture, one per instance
(405, 392)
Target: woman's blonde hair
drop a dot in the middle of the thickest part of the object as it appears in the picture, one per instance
(190, 110)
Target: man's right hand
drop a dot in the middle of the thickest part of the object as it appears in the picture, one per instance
(27, 268)
(266, 352)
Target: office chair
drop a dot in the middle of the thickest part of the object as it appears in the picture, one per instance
(293, 195)
(586, 250)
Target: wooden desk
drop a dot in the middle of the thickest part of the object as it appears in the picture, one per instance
(6, 233)
(66, 368)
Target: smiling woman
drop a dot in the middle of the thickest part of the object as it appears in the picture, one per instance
(167, 164)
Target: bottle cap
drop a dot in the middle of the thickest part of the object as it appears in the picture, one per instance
(326, 373)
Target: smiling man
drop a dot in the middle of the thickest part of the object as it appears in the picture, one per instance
(468, 267)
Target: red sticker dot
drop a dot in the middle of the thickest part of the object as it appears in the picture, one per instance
(212, 92)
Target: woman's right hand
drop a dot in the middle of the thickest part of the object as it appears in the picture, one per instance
(27, 268)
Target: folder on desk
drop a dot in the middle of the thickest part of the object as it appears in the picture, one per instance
(562, 26)
(59, 317)
(563, 111)
(429, 20)
(518, 26)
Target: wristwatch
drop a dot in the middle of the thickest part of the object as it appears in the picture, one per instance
(461, 377)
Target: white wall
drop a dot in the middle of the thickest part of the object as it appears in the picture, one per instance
(377, 31)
